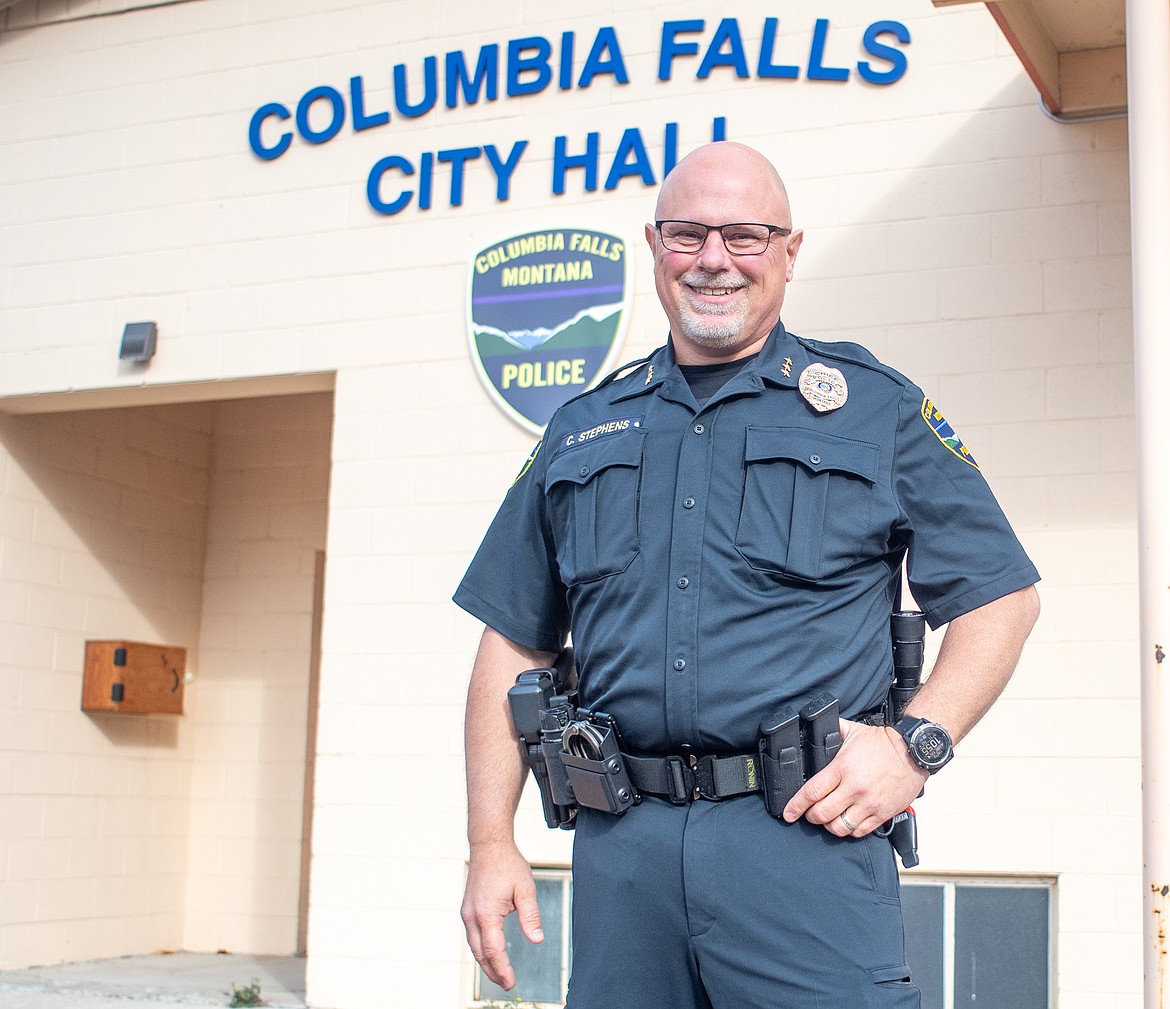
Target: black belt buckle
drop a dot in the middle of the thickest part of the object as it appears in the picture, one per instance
(704, 772)
(681, 779)
(692, 777)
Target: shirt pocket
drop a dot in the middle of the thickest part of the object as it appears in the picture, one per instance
(807, 501)
(593, 497)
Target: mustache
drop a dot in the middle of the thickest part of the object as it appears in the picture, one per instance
(701, 278)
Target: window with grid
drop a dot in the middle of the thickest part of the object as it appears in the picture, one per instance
(969, 941)
(984, 941)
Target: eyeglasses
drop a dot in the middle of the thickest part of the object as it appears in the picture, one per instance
(738, 239)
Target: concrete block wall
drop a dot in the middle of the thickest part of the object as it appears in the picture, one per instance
(101, 536)
(193, 525)
(249, 714)
(949, 226)
(18, 14)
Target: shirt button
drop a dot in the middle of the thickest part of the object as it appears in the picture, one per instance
(584, 470)
(699, 429)
(814, 459)
(682, 583)
(689, 502)
(680, 664)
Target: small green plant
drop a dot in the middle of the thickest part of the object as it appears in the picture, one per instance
(248, 995)
(516, 1002)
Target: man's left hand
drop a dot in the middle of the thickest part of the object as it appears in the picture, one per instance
(871, 779)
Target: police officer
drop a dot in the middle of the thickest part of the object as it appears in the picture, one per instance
(721, 529)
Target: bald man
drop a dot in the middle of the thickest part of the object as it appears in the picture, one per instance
(730, 544)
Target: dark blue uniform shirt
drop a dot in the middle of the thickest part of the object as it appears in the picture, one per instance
(714, 564)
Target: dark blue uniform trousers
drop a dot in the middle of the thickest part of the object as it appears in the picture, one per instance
(717, 905)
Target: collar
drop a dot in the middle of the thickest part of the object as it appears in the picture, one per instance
(779, 363)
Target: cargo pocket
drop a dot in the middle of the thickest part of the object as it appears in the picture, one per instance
(592, 495)
(806, 501)
(893, 989)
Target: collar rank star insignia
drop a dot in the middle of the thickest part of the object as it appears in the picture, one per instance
(788, 367)
(825, 388)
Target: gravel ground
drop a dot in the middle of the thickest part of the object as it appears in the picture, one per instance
(154, 982)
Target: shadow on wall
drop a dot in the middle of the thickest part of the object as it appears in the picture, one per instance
(195, 525)
(102, 526)
(107, 534)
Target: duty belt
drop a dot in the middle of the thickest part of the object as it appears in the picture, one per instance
(684, 778)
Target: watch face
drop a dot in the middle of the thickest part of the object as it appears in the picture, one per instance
(932, 745)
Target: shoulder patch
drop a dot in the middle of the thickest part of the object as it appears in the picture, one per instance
(945, 433)
(528, 462)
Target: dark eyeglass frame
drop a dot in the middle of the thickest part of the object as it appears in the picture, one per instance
(773, 229)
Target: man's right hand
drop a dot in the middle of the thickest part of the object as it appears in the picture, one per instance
(499, 881)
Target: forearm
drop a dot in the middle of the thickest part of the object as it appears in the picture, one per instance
(499, 880)
(495, 768)
(978, 655)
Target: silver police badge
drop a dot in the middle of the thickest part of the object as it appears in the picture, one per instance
(825, 388)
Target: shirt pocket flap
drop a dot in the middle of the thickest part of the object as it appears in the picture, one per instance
(815, 450)
(580, 465)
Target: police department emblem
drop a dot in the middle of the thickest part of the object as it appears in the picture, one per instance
(945, 433)
(546, 315)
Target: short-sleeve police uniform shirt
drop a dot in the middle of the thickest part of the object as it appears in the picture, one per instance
(713, 564)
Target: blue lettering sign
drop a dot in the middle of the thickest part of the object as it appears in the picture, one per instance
(357, 102)
(457, 158)
(374, 185)
(766, 67)
(336, 118)
(486, 78)
(519, 65)
(631, 159)
(726, 34)
(604, 58)
(565, 77)
(563, 161)
(670, 142)
(895, 57)
(671, 47)
(426, 165)
(817, 71)
(528, 69)
(430, 89)
(504, 169)
(271, 110)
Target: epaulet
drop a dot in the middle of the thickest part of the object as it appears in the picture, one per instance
(624, 371)
(853, 353)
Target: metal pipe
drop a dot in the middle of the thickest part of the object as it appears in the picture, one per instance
(1148, 82)
(1066, 119)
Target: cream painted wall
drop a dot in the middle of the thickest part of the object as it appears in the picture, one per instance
(194, 525)
(950, 227)
(268, 488)
(102, 528)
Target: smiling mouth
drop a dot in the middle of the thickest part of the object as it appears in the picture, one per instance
(714, 292)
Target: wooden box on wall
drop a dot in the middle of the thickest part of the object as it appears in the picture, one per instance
(133, 677)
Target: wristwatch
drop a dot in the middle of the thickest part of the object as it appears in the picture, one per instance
(929, 743)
